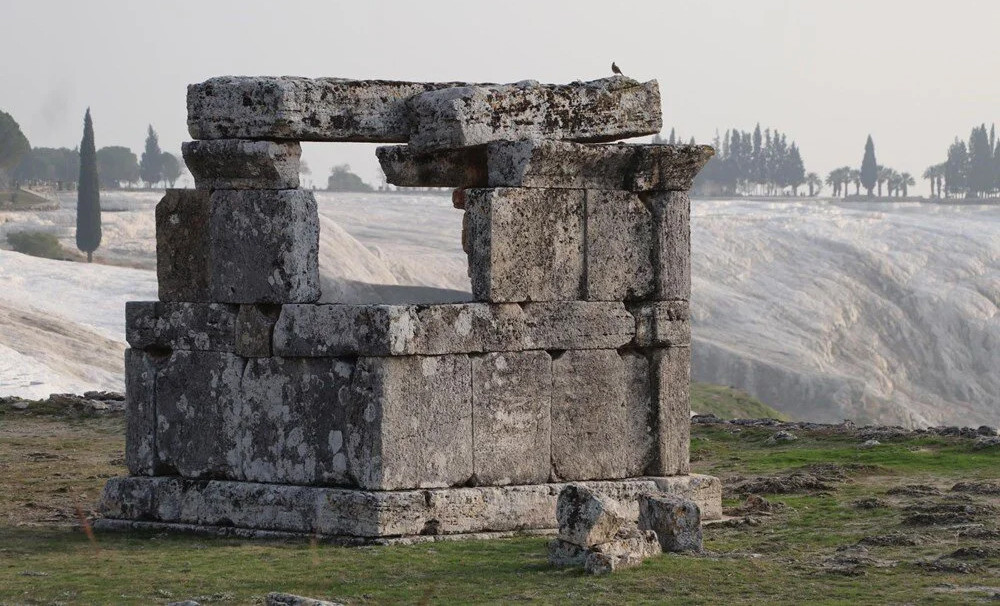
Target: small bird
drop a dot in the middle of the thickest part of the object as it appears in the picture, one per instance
(616, 69)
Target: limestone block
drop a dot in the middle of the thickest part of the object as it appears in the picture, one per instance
(140, 412)
(675, 520)
(705, 491)
(621, 166)
(409, 422)
(590, 421)
(619, 247)
(390, 330)
(302, 109)
(564, 554)
(662, 324)
(458, 168)
(194, 393)
(243, 164)
(622, 552)
(671, 383)
(672, 250)
(587, 517)
(255, 330)
(526, 244)
(511, 422)
(177, 325)
(600, 110)
(287, 599)
(288, 423)
(265, 246)
(182, 246)
(640, 438)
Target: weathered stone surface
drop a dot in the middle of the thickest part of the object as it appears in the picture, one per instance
(194, 392)
(287, 599)
(662, 324)
(140, 412)
(563, 553)
(449, 168)
(265, 246)
(511, 417)
(675, 520)
(175, 325)
(255, 330)
(671, 382)
(302, 109)
(672, 250)
(526, 244)
(600, 110)
(626, 551)
(409, 422)
(331, 512)
(243, 164)
(182, 245)
(588, 517)
(705, 491)
(589, 416)
(619, 247)
(562, 164)
(391, 330)
(640, 439)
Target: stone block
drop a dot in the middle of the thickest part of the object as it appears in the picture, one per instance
(140, 412)
(590, 421)
(526, 244)
(511, 417)
(243, 164)
(662, 324)
(587, 517)
(563, 164)
(265, 246)
(622, 552)
(672, 250)
(675, 520)
(409, 422)
(287, 599)
(601, 110)
(392, 330)
(183, 248)
(459, 168)
(640, 438)
(564, 554)
(195, 394)
(176, 325)
(255, 330)
(619, 247)
(705, 491)
(671, 382)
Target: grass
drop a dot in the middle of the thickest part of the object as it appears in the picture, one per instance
(24, 200)
(51, 465)
(37, 244)
(729, 403)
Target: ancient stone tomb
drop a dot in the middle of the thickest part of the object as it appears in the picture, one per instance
(254, 410)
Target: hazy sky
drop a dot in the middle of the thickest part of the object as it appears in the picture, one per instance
(826, 72)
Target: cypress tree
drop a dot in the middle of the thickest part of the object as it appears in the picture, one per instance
(151, 164)
(869, 167)
(88, 194)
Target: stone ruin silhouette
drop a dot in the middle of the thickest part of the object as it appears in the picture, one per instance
(255, 411)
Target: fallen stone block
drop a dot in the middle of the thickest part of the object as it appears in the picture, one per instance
(671, 381)
(675, 520)
(526, 244)
(255, 330)
(409, 422)
(662, 324)
(587, 517)
(565, 554)
(601, 110)
(176, 325)
(619, 247)
(511, 417)
(140, 412)
(459, 168)
(672, 250)
(287, 599)
(243, 164)
(183, 249)
(626, 551)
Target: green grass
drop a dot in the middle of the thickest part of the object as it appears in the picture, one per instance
(729, 403)
(24, 200)
(37, 244)
(50, 465)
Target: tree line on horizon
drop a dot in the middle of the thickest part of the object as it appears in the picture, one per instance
(971, 170)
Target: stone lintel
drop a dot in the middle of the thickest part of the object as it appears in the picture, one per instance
(243, 164)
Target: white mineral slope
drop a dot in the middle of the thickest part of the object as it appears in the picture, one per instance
(887, 312)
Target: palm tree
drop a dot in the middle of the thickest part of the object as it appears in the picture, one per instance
(815, 184)
(906, 181)
(931, 175)
(833, 180)
(893, 183)
(855, 175)
(883, 176)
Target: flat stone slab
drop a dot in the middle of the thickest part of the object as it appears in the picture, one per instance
(548, 163)
(174, 503)
(243, 164)
(187, 326)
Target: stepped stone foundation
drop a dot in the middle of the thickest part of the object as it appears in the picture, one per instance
(253, 410)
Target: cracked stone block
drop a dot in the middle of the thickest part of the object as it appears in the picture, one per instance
(243, 164)
(526, 244)
(588, 517)
(601, 110)
(265, 246)
(623, 552)
(675, 520)
(672, 249)
(458, 168)
(409, 422)
(177, 325)
(140, 411)
(671, 383)
(183, 268)
(662, 324)
(255, 330)
(510, 410)
(590, 416)
(619, 247)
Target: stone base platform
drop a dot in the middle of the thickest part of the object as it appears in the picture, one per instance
(277, 511)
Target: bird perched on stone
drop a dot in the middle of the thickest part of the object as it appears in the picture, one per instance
(616, 69)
